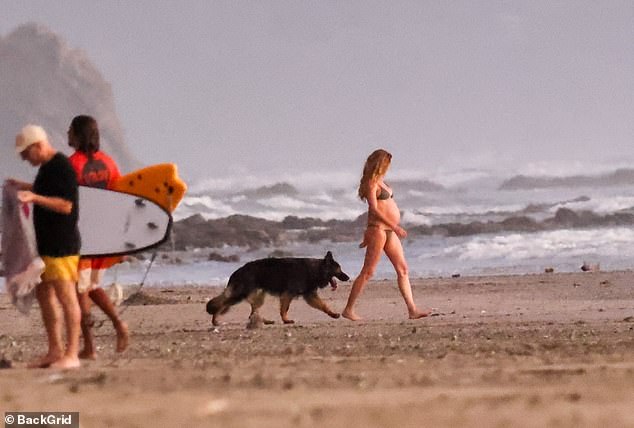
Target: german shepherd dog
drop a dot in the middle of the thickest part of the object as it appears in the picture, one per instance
(285, 277)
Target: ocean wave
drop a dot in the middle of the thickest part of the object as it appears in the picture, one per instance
(253, 231)
(472, 196)
(444, 177)
(620, 177)
(285, 203)
(206, 206)
(599, 205)
(568, 167)
(544, 245)
(563, 218)
(563, 250)
(469, 210)
(248, 182)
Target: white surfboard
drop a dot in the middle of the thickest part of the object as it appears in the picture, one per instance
(115, 223)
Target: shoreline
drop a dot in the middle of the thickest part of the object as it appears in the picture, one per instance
(512, 350)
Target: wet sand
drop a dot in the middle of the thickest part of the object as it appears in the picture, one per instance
(533, 350)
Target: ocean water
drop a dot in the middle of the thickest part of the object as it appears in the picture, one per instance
(513, 253)
(463, 196)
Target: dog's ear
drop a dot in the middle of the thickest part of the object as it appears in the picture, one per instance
(329, 256)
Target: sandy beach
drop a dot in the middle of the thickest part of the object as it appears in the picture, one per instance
(500, 351)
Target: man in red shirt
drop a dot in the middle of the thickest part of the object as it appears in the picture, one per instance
(94, 168)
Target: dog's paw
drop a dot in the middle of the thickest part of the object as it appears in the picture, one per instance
(333, 315)
(289, 322)
(255, 322)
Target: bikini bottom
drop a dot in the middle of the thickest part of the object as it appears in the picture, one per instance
(388, 235)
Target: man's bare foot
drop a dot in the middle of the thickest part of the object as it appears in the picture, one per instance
(66, 362)
(44, 361)
(418, 314)
(122, 336)
(350, 315)
(88, 354)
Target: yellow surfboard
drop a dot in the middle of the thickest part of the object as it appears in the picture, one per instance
(159, 183)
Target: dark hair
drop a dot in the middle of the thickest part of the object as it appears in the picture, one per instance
(86, 132)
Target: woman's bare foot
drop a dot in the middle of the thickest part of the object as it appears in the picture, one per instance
(350, 315)
(88, 354)
(43, 361)
(66, 362)
(122, 336)
(418, 314)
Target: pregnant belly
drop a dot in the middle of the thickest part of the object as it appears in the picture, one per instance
(390, 211)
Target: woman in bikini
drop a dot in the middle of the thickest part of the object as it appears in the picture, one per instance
(383, 233)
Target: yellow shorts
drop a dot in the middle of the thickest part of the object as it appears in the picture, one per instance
(60, 268)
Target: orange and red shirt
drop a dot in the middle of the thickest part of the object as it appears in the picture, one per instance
(100, 171)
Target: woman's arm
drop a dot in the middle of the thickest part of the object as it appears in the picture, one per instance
(58, 205)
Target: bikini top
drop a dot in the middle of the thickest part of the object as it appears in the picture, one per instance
(384, 194)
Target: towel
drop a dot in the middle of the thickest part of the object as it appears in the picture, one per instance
(22, 265)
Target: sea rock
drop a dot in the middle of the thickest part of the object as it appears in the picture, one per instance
(42, 77)
(589, 267)
(253, 233)
(217, 257)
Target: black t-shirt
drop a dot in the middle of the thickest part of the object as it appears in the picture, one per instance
(56, 234)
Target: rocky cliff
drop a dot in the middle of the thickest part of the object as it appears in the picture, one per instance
(44, 81)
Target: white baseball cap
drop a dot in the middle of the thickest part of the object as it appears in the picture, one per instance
(30, 134)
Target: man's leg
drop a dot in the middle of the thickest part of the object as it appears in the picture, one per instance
(67, 295)
(86, 327)
(101, 299)
(45, 293)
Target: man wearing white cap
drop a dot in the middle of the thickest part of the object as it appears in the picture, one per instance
(54, 195)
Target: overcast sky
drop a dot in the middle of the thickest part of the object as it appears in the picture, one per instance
(221, 87)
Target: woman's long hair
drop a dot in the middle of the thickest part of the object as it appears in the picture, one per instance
(86, 133)
(375, 166)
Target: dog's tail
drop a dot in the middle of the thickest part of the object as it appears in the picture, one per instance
(221, 303)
